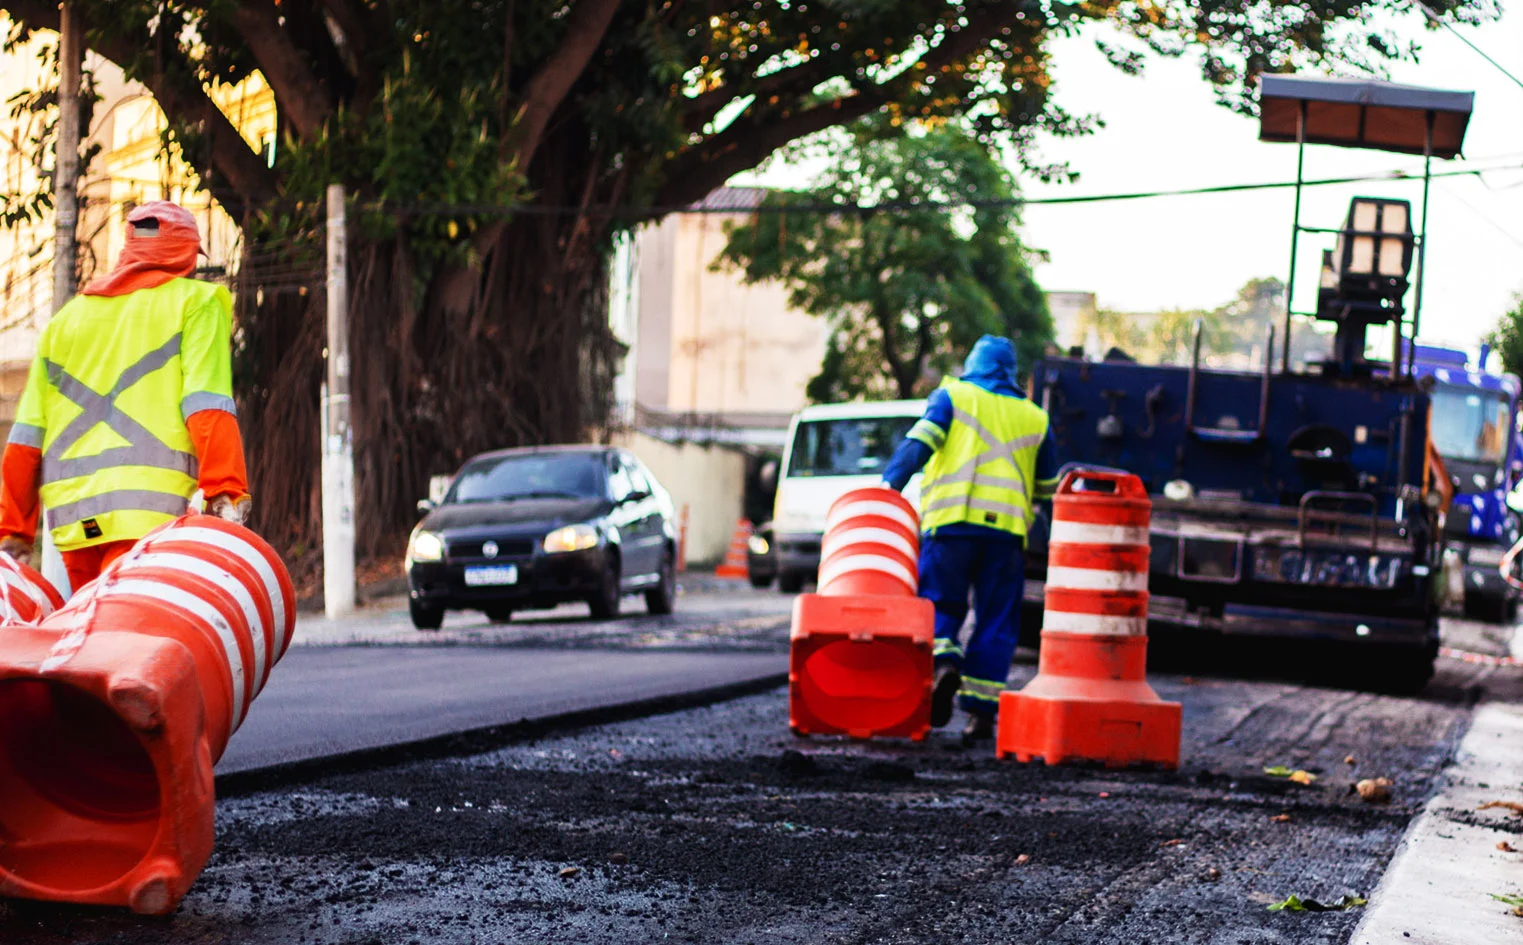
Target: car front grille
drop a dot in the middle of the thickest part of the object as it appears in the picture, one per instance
(506, 548)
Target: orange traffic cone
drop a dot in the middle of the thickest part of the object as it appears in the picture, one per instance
(860, 650)
(1090, 699)
(114, 708)
(735, 559)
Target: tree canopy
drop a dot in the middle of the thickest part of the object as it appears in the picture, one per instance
(906, 291)
(497, 147)
(1507, 337)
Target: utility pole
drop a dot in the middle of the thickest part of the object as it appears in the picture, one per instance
(65, 217)
(338, 445)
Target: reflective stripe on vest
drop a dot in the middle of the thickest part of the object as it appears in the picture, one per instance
(984, 474)
(142, 449)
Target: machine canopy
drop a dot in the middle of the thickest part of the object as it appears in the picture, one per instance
(1363, 113)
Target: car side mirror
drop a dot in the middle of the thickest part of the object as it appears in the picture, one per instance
(426, 506)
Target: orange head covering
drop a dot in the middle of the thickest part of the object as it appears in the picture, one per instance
(162, 244)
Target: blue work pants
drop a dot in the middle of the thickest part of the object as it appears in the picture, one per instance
(994, 566)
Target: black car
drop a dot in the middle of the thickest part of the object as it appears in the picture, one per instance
(533, 528)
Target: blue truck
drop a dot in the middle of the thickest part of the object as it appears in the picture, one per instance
(1301, 501)
(1475, 430)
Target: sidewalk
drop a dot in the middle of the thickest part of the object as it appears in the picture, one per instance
(1466, 847)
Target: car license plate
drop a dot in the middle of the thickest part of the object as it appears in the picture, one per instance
(491, 577)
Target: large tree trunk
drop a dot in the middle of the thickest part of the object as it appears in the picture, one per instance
(525, 357)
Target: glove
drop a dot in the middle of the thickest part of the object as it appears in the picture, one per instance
(230, 509)
(17, 547)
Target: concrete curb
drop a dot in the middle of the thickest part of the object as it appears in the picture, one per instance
(1438, 889)
(487, 738)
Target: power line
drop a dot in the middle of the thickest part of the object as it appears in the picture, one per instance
(442, 209)
(1428, 12)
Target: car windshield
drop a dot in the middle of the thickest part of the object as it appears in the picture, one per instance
(1470, 424)
(859, 446)
(530, 476)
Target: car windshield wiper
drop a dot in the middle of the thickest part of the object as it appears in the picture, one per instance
(540, 495)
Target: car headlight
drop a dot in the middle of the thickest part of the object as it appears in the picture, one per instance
(758, 545)
(571, 538)
(426, 546)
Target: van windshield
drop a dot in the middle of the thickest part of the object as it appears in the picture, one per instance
(859, 446)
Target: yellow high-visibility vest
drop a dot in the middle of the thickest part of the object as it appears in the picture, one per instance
(106, 402)
(985, 471)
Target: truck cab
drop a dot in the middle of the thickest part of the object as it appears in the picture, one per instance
(1475, 430)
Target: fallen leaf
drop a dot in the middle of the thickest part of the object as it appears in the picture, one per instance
(1513, 806)
(1211, 875)
(1022, 860)
(569, 872)
(1294, 903)
(1281, 818)
(618, 859)
(1506, 847)
(1374, 790)
(1351, 760)
(1105, 794)
(1294, 774)
(1171, 843)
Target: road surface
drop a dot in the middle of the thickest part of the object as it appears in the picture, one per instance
(713, 824)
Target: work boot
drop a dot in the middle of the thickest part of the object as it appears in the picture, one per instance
(944, 694)
(980, 728)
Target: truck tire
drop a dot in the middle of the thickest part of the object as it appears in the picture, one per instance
(790, 582)
(1400, 670)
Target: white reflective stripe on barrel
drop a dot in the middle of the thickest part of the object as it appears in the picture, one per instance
(17, 579)
(1085, 533)
(1066, 622)
(887, 510)
(251, 555)
(227, 581)
(866, 563)
(1094, 579)
(200, 610)
(834, 541)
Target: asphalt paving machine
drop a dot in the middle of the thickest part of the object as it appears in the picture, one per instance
(1300, 501)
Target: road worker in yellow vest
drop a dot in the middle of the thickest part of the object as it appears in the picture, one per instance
(988, 458)
(128, 409)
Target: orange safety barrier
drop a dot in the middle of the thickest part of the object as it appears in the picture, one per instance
(1090, 699)
(735, 559)
(860, 652)
(115, 707)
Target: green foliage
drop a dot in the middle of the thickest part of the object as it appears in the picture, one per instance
(1507, 337)
(1232, 335)
(906, 290)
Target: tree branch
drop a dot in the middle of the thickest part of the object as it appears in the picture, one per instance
(304, 98)
(547, 89)
(788, 83)
(746, 142)
(231, 170)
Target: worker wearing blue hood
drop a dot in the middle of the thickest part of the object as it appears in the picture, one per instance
(988, 457)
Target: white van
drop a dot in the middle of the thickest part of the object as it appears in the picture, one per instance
(832, 449)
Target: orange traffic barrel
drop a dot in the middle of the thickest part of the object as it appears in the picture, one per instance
(735, 560)
(860, 651)
(25, 595)
(114, 708)
(1090, 699)
(871, 545)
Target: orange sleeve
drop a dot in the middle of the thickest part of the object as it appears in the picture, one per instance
(20, 477)
(219, 449)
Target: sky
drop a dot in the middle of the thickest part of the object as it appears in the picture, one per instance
(1165, 131)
